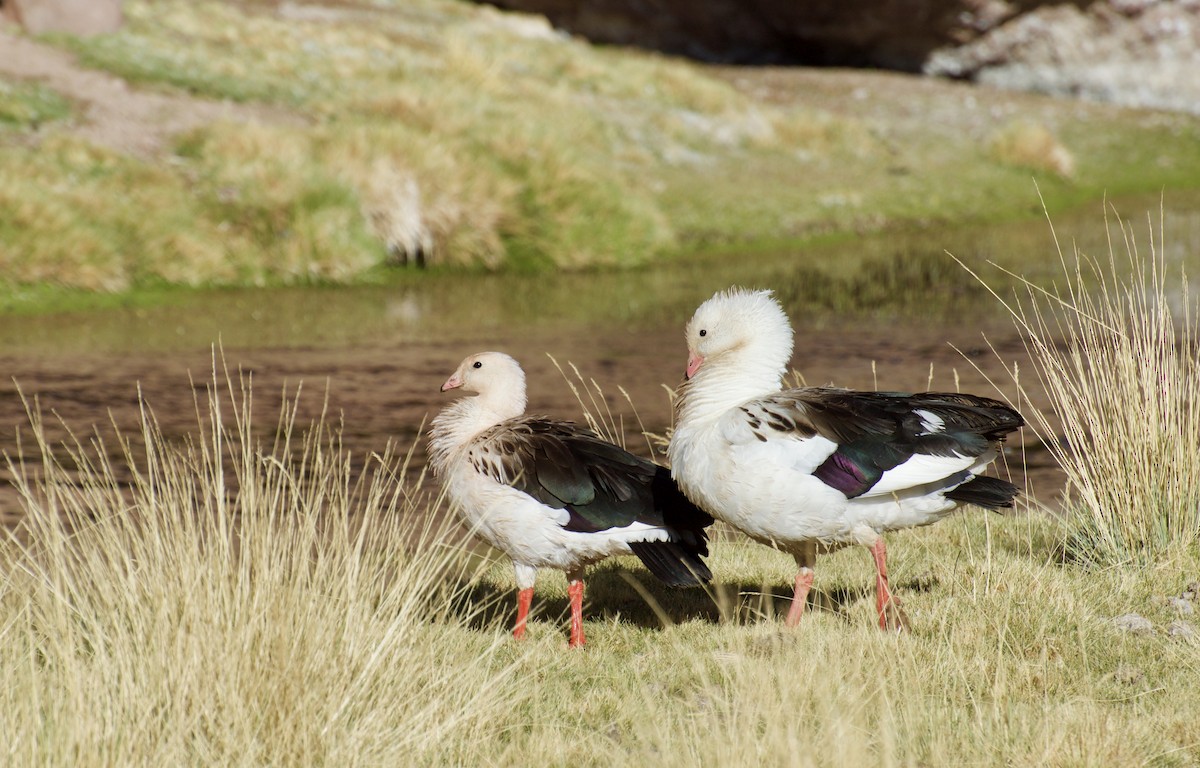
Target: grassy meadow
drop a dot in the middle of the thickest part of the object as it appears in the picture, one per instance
(379, 132)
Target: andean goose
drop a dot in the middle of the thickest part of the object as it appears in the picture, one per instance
(817, 468)
(553, 495)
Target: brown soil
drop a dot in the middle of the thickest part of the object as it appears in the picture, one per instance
(115, 115)
(386, 391)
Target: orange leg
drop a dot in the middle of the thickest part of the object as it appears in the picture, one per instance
(524, 598)
(804, 580)
(575, 593)
(891, 616)
(806, 558)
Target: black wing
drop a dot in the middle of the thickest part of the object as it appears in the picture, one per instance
(600, 485)
(879, 431)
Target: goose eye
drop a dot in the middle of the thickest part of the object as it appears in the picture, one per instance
(703, 333)
(477, 364)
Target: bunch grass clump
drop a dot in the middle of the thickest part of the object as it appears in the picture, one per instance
(121, 223)
(235, 599)
(420, 127)
(1030, 144)
(247, 598)
(450, 134)
(1115, 349)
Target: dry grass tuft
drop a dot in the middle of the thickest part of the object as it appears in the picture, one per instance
(1029, 144)
(1115, 350)
(244, 599)
(236, 599)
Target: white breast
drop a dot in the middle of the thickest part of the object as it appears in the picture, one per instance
(763, 488)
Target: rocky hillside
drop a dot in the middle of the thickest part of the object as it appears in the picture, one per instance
(1132, 52)
(1142, 53)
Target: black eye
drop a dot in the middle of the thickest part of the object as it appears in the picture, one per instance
(703, 333)
(477, 364)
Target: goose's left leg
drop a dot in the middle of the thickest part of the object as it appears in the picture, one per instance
(525, 580)
(891, 615)
(806, 558)
(575, 593)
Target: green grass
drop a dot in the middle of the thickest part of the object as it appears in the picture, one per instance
(493, 142)
(29, 106)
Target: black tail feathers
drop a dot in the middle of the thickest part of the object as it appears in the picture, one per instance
(678, 562)
(987, 492)
(673, 563)
(677, 512)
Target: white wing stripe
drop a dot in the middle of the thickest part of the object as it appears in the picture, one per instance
(919, 470)
(930, 421)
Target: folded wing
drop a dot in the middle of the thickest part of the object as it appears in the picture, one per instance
(877, 443)
(601, 487)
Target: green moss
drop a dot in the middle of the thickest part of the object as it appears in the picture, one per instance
(28, 106)
(122, 223)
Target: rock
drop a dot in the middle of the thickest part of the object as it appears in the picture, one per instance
(1140, 53)
(74, 17)
(1181, 605)
(1143, 53)
(1133, 623)
(1183, 630)
(895, 35)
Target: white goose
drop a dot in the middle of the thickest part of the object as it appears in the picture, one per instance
(818, 468)
(553, 495)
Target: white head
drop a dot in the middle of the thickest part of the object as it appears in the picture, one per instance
(740, 330)
(496, 377)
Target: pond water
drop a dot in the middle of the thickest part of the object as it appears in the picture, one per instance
(890, 311)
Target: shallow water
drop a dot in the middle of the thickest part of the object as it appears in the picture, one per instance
(890, 311)
(904, 276)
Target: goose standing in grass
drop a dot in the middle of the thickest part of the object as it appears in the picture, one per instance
(817, 468)
(553, 495)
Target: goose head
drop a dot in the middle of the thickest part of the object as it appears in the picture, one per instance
(742, 332)
(497, 380)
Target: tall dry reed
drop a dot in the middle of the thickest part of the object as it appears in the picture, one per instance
(1114, 348)
(235, 598)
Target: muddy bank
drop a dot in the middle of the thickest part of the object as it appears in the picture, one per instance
(385, 390)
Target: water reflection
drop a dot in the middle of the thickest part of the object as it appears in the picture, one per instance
(904, 274)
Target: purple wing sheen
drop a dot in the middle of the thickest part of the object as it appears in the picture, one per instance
(840, 473)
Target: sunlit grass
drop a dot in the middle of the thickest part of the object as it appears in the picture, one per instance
(28, 106)
(462, 136)
(1114, 348)
(1013, 659)
(242, 597)
(1031, 145)
(260, 596)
